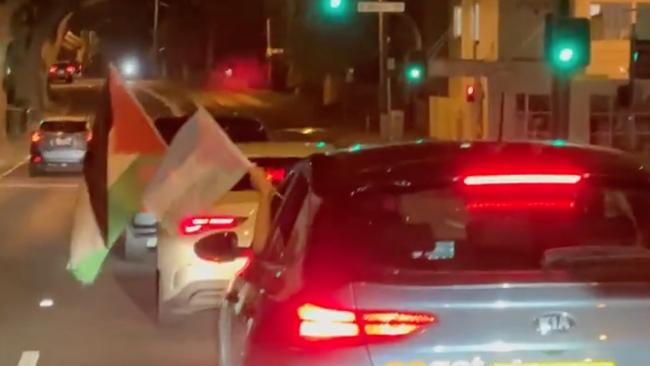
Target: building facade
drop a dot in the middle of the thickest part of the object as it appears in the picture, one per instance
(496, 49)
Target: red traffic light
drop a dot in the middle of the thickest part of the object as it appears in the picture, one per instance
(470, 93)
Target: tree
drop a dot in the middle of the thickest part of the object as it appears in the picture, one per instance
(31, 33)
(7, 8)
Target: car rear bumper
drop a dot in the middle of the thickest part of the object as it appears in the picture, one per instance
(58, 167)
(354, 356)
(188, 283)
(197, 296)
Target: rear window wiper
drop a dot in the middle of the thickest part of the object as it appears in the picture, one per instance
(595, 255)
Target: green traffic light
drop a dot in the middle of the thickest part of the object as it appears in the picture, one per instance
(335, 4)
(566, 54)
(415, 73)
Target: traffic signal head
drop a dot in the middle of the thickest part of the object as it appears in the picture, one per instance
(415, 70)
(567, 44)
(415, 73)
(335, 8)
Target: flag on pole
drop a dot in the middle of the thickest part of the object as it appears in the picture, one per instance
(201, 165)
(121, 158)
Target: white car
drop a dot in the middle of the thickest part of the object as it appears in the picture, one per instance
(187, 283)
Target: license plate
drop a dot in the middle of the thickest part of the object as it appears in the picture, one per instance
(578, 363)
(63, 141)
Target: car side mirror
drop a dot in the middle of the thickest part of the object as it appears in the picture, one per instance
(220, 247)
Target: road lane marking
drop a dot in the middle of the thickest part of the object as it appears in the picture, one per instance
(38, 185)
(29, 358)
(14, 168)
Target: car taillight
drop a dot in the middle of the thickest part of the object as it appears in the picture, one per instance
(52, 69)
(195, 225)
(275, 175)
(37, 136)
(507, 179)
(70, 69)
(37, 159)
(538, 204)
(319, 323)
(89, 136)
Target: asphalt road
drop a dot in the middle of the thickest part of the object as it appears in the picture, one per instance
(46, 317)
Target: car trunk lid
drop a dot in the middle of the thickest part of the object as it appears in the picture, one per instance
(543, 319)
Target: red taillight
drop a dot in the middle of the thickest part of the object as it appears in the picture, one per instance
(199, 224)
(275, 175)
(37, 136)
(37, 159)
(52, 69)
(70, 69)
(89, 136)
(505, 179)
(550, 204)
(319, 323)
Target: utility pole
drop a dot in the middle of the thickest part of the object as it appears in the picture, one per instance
(561, 91)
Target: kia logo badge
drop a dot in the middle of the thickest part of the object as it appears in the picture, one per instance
(552, 323)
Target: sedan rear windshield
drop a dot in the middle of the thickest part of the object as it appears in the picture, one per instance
(481, 228)
(64, 126)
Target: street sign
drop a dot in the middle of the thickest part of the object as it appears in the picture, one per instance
(381, 7)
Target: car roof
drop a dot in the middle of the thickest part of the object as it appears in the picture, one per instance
(279, 149)
(345, 171)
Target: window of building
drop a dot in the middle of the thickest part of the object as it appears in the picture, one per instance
(458, 21)
(610, 21)
(476, 21)
(534, 115)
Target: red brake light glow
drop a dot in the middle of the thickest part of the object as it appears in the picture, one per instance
(52, 69)
(275, 175)
(503, 179)
(70, 69)
(557, 204)
(319, 323)
(199, 224)
(89, 136)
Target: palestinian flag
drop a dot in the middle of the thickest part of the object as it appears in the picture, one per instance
(122, 157)
(201, 165)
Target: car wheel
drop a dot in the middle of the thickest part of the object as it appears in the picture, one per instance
(165, 316)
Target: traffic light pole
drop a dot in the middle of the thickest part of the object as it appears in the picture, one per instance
(382, 92)
(561, 92)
